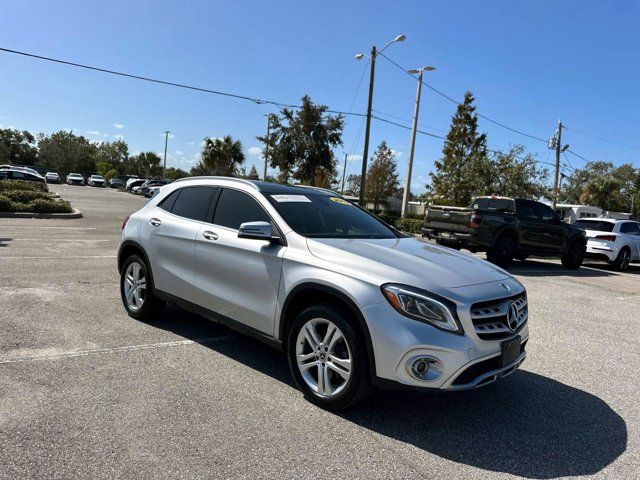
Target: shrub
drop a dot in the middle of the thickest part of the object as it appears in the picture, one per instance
(22, 185)
(49, 205)
(24, 196)
(389, 218)
(409, 225)
(6, 205)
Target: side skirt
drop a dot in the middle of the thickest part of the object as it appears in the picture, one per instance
(221, 319)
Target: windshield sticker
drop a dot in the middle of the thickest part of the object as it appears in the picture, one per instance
(290, 198)
(341, 201)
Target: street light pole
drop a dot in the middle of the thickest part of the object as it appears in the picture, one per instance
(557, 169)
(367, 129)
(344, 174)
(407, 186)
(164, 164)
(365, 153)
(266, 148)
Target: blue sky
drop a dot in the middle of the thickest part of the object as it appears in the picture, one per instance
(528, 64)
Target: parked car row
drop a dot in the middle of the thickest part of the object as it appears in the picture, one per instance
(8, 172)
(507, 228)
(145, 187)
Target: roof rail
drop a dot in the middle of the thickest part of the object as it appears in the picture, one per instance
(214, 177)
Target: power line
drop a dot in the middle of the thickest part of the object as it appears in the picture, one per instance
(442, 94)
(579, 156)
(259, 101)
(602, 138)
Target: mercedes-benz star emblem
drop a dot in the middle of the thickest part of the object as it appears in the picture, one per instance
(512, 317)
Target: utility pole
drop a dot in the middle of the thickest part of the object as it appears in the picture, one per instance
(407, 186)
(266, 148)
(344, 173)
(367, 129)
(557, 170)
(164, 165)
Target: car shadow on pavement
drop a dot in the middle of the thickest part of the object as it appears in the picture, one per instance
(544, 269)
(527, 424)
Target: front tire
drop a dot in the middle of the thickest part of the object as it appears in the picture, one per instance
(136, 290)
(573, 257)
(327, 357)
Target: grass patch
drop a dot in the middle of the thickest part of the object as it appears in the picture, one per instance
(30, 197)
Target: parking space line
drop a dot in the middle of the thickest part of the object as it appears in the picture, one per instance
(61, 258)
(100, 351)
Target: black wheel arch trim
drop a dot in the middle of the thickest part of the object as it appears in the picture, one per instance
(137, 246)
(343, 298)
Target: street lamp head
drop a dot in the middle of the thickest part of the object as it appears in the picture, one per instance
(429, 69)
(423, 69)
(400, 38)
(359, 56)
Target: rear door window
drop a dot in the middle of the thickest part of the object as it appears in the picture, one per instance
(194, 203)
(629, 228)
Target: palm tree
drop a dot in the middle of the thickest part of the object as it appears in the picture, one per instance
(220, 156)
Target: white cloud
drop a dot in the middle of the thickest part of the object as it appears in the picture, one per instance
(179, 152)
(191, 143)
(397, 153)
(255, 152)
(354, 157)
(119, 137)
(93, 132)
(118, 125)
(104, 135)
(170, 135)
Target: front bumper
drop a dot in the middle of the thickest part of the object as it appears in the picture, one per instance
(397, 340)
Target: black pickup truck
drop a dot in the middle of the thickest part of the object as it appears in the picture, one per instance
(506, 228)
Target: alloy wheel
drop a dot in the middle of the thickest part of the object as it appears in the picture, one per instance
(135, 286)
(323, 357)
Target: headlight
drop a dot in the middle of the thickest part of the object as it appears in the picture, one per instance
(424, 306)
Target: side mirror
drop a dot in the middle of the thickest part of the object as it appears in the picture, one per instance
(256, 230)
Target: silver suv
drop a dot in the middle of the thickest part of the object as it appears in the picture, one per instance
(353, 302)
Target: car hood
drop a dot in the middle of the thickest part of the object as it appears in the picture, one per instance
(408, 261)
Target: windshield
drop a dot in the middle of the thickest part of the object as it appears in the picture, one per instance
(96, 177)
(322, 216)
(75, 175)
(594, 225)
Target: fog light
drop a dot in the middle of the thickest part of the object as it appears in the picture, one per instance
(424, 368)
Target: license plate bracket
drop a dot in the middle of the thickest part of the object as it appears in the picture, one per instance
(510, 351)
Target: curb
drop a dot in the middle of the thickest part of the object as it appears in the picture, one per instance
(62, 216)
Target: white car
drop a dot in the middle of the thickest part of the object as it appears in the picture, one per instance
(130, 181)
(52, 177)
(75, 179)
(97, 181)
(352, 301)
(617, 242)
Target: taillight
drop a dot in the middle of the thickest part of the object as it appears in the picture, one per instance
(475, 220)
(124, 222)
(606, 238)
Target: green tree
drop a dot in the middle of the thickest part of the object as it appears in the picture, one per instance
(17, 147)
(173, 173)
(352, 185)
(65, 152)
(301, 142)
(147, 164)
(253, 173)
(220, 156)
(382, 176)
(513, 175)
(463, 171)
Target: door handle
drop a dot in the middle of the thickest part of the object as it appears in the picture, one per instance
(156, 222)
(209, 235)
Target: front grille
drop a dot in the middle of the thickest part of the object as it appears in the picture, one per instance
(480, 368)
(490, 318)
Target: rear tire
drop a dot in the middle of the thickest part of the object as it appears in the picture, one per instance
(328, 358)
(502, 252)
(573, 257)
(621, 263)
(136, 290)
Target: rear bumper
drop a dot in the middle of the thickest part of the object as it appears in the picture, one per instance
(447, 237)
(602, 251)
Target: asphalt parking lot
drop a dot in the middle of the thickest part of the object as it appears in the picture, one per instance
(87, 392)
